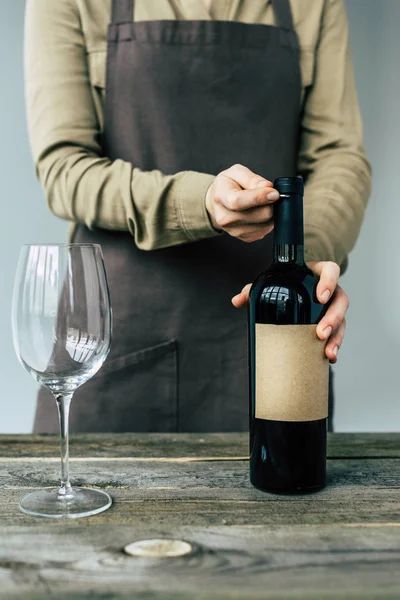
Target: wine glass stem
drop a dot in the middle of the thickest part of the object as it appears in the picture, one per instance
(63, 405)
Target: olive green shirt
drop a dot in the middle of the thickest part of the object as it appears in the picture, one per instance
(65, 71)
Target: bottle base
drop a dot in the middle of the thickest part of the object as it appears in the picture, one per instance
(298, 491)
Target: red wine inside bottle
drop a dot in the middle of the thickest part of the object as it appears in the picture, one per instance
(288, 368)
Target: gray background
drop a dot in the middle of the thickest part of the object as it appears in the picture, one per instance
(367, 379)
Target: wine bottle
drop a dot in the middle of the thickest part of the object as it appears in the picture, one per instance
(289, 371)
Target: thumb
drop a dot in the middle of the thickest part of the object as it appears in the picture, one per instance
(242, 299)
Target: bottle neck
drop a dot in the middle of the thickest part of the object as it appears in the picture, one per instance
(289, 230)
(289, 254)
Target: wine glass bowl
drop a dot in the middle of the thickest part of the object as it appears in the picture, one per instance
(61, 320)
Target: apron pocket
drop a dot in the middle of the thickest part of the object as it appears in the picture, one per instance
(134, 392)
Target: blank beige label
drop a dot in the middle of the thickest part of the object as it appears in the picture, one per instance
(292, 373)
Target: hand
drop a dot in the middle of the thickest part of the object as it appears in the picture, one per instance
(240, 203)
(332, 326)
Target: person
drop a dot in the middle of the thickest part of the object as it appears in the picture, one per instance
(157, 128)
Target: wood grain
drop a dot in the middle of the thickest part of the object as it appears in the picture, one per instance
(342, 543)
(198, 493)
(128, 445)
(230, 562)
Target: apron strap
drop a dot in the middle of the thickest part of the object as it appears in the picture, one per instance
(283, 13)
(122, 11)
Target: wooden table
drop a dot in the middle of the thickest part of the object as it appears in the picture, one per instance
(343, 542)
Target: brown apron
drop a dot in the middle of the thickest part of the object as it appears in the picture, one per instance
(186, 95)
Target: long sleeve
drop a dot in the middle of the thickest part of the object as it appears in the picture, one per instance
(332, 157)
(81, 185)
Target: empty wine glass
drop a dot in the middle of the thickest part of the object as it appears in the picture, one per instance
(61, 320)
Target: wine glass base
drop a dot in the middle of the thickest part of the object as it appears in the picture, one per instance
(47, 503)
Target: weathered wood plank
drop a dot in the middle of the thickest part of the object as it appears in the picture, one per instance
(340, 445)
(201, 493)
(202, 508)
(231, 475)
(320, 594)
(342, 543)
(228, 562)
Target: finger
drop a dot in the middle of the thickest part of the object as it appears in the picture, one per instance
(239, 200)
(329, 273)
(251, 233)
(335, 341)
(334, 315)
(254, 216)
(246, 178)
(242, 299)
